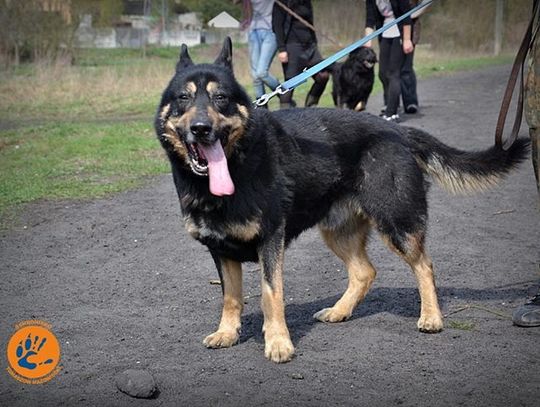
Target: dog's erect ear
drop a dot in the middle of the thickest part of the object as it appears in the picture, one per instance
(225, 56)
(185, 59)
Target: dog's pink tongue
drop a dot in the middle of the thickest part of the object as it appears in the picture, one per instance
(218, 172)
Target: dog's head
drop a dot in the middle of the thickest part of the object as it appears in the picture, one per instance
(202, 116)
(365, 57)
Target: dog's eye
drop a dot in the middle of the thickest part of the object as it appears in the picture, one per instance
(220, 98)
(183, 97)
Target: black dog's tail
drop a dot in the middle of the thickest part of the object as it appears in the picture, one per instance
(462, 172)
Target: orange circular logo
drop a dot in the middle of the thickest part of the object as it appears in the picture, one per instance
(33, 353)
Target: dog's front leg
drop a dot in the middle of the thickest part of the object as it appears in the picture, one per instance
(229, 327)
(278, 345)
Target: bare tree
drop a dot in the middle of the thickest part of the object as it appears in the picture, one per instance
(29, 30)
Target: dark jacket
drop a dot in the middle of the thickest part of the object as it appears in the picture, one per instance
(290, 30)
(375, 20)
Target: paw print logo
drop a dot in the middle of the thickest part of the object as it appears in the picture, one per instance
(33, 354)
(30, 349)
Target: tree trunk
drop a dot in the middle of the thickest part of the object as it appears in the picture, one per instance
(17, 55)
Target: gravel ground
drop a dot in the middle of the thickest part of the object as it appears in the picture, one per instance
(124, 287)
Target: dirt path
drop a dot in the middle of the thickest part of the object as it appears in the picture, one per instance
(124, 287)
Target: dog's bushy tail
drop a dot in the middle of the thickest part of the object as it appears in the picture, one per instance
(463, 172)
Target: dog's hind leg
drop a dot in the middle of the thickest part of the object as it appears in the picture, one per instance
(229, 327)
(348, 242)
(413, 252)
(278, 345)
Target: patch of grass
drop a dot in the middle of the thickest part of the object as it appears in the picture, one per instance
(427, 64)
(76, 160)
(105, 83)
(74, 92)
(461, 325)
(88, 57)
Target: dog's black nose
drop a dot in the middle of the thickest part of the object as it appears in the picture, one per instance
(201, 129)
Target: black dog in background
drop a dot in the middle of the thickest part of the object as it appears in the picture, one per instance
(353, 79)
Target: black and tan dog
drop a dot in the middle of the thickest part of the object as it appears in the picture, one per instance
(352, 80)
(249, 181)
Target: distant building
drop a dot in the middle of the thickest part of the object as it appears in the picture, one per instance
(189, 21)
(134, 30)
(224, 20)
(221, 26)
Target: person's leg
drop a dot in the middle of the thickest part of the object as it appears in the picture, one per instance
(254, 45)
(535, 143)
(317, 89)
(293, 67)
(384, 59)
(393, 75)
(268, 47)
(320, 79)
(532, 105)
(408, 85)
(528, 315)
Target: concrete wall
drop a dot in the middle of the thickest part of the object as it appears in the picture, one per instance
(140, 31)
(129, 37)
(217, 35)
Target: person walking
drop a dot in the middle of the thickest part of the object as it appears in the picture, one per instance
(394, 44)
(297, 47)
(261, 43)
(409, 95)
(528, 314)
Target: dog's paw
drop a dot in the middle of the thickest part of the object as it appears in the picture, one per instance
(331, 315)
(221, 339)
(279, 349)
(430, 323)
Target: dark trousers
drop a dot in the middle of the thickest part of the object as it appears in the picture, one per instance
(303, 56)
(390, 62)
(408, 82)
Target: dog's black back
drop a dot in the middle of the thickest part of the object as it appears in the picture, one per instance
(353, 79)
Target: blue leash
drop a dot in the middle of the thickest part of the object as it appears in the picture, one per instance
(292, 83)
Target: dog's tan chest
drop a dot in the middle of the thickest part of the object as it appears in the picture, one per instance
(199, 229)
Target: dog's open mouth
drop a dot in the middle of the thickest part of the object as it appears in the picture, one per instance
(197, 161)
(369, 64)
(209, 160)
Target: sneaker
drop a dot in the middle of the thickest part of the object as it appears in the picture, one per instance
(394, 118)
(411, 109)
(528, 315)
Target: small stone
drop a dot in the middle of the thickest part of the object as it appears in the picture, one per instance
(136, 383)
(297, 376)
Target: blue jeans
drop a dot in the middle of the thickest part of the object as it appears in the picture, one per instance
(262, 48)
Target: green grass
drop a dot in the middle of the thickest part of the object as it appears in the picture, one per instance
(426, 66)
(461, 325)
(84, 131)
(80, 160)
